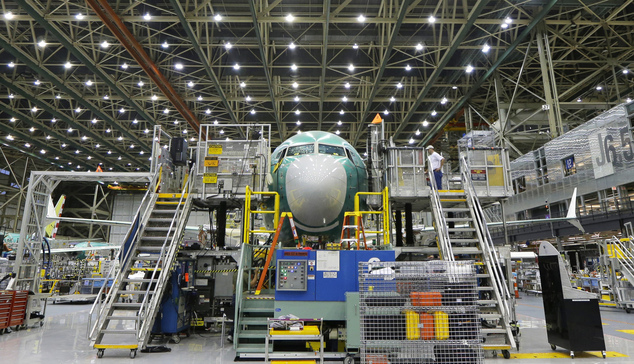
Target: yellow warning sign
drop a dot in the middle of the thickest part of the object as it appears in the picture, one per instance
(210, 178)
(215, 149)
(377, 119)
(211, 161)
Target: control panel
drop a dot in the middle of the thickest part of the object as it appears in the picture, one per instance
(291, 275)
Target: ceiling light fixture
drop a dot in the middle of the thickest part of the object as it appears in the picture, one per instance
(425, 122)
(469, 69)
(236, 66)
(154, 97)
(178, 66)
(68, 65)
(165, 45)
(147, 16)
(392, 99)
(361, 18)
(419, 47)
(105, 44)
(294, 67)
(292, 45)
(41, 43)
(243, 85)
(486, 48)
(296, 99)
(124, 66)
(346, 85)
(9, 15)
(434, 113)
(431, 19)
(408, 68)
(399, 85)
(217, 17)
(79, 16)
(190, 83)
(295, 85)
(290, 18)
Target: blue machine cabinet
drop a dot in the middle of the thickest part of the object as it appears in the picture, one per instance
(174, 315)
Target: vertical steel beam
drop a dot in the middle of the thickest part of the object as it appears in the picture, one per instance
(324, 61)
(554, 117)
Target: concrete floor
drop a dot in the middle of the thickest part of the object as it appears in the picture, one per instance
(62, 339)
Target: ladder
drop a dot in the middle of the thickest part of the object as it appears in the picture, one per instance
(127, 314)
(348, 228)
(463, 235)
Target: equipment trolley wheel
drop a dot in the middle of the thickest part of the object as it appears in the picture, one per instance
(553, 346)
(132, 353)
(572, 355)
(176, 338)
(506, 354)
(604, 354)
(100, 353)
(348, 360)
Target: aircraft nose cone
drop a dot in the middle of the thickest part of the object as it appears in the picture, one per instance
(316, 189)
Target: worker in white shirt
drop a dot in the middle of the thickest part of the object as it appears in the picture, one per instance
(436, 162)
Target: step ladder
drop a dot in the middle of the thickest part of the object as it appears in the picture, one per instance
(127, 314)
(463, 235)
(352, 229)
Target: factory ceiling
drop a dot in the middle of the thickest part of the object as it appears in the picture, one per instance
(84, 83)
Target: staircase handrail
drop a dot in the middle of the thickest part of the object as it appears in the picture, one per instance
(166, 250)
(239, 292)
(114, 270)
(627, 258)
(488, 249)
(441, 223)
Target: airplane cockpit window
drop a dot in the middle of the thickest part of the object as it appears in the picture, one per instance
(354, 158)
(300, 149)
(279, 155)
(332, 150)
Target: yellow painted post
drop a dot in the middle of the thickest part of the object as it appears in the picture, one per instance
(247, 214)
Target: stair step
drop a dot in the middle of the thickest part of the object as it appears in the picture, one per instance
(158, 219)
(164, 211)
(457, 219)
(149, 258)
(463, 240)
(484, 288)
(159, 228)
(465, 250)
(129, 318)
(135, 292)
(119, 332)
(486, 302)
(252, 348)
(461, 229)
(123, 305)
(259, 310)
(482, 275)
(455, 209)
(170, 202)
(493, 331)
(137, 280)
(253, 321)
(252, 334)
(149, 249)
(490, 316)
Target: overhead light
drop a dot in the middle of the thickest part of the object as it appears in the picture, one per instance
(599, 88)
(124, 66)
(386, 112)
(79, 16)
(628, 100)
(77, 151)
(68, 65)
(411, 140)
(78, 109)
(10, 137)
(625, 71)
(296, 99)
(32, 129)
(419, 47)
(178, 66)
(579, 99)
(9, 15)
(63, 145)
(339, 122)
(175, 122)
(36, 82)
(27, 145)
(11, 65)
(508, 20)
(208, 111)
(243, 84)
(190, 83)
(337, 132)
(215, 122)
(341, 112)
(434, 113)
(355, 46)
(290, 18)
(119, 158)
(146, 131)
(294, 67)
(34, 109)
(154, 97)
(351, 67)
(89, 83)
(443, 101)
(252, 111)
(408, 68)
(58, 96)
(147, 16)
(70, 130)
(248, 98)
(344, 99)
(425, 123)
(217, 17)
(236, 66)
(120, 138)
(53, 120)
(108, 130)
(346, 85)
(165, 45)
(131, 146)
(295, 85)
(431, 19)
(454, 87)
(97, 145)
(135, 121)
(105, 44)
(166, 111)
(228, 45)
(361, 18)
(184, 132)
(13, 120)
(292, 45)
(417, 132)
(48, 137)
(89, 158)
(95, 121)
(469, 69)
(41, 43)
(392, 99)
(221, 131)
(121, 110)
(109, 152)
(297, 112)
(505, 25)
(399, 85)
(200, 98)
(298, 122)
(84, 137)
(486, 48)
(11, 96)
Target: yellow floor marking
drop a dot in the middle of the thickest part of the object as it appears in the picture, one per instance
(565, 355)
(627, 331)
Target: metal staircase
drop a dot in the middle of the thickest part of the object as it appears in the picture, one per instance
(463, 235)
(618, 256)
(126, 315)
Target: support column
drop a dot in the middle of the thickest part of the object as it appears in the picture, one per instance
(409, 228)
(550, 87)
(398, 225)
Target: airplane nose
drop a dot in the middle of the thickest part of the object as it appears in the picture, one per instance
(316, 189)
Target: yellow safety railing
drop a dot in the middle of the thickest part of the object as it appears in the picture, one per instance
(248, 212)
(384, 212)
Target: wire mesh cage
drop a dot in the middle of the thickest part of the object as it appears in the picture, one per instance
(419, 312)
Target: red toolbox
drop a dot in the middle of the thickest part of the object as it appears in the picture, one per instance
(6, 300)
(18, 308)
